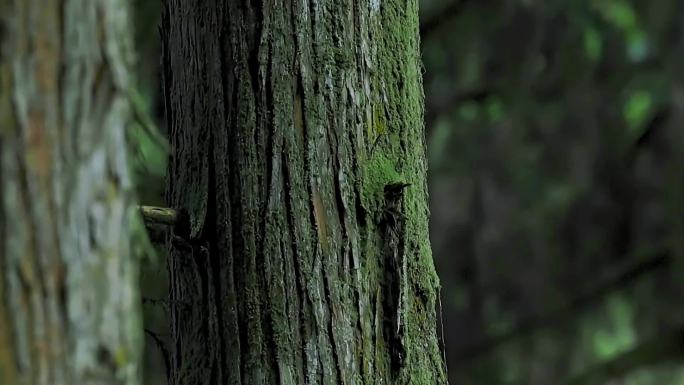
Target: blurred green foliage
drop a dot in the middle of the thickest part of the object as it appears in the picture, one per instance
(149, 148)
(556, 153)
(149, 151)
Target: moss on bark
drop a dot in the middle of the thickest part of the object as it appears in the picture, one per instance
(287, 120)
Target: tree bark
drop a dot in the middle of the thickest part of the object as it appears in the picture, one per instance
(295, 127)
(69, 308)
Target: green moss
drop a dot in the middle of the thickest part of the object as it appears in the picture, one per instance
(379, 121)
(343, 58)
(377, 171)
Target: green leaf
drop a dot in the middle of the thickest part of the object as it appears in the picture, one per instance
(637, 109)
(619, 13)
(593, 43)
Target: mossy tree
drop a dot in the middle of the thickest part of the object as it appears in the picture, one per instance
(69, 308)
(299, 158)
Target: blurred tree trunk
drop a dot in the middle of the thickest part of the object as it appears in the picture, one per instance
(69, 308)
(303, 260)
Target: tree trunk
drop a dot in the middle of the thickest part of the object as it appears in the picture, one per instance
(305, 259)
(69, 308)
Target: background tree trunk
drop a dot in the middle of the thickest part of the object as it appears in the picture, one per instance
(69, 308)
(297, 265)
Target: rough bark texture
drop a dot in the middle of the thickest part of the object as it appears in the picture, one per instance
(68, 280)
(304, 259)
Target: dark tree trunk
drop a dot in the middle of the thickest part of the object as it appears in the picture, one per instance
(69, 308)
(305, 259)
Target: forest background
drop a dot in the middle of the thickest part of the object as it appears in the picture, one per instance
(556, 178)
